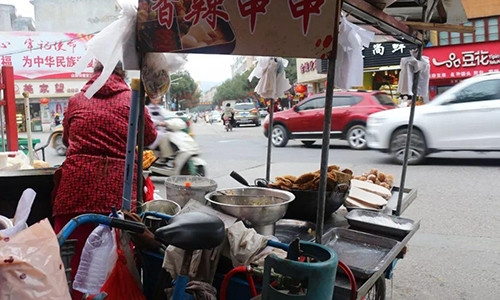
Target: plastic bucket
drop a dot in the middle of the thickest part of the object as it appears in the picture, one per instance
(181, 189)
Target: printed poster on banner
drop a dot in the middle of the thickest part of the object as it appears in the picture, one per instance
(43, 55)
(240, 27)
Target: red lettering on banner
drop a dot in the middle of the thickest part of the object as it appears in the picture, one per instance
(252, 8)
(70, 61)
(60, 62)
(4, 45)
(59, 87)
(90, 64)
(29, 44)
(72, 45)
(165, 10)
(303, 9)
(44, 88)
(6, 60)
(27, 62)
(59, 46)
(50, 61)
(38, 61)
(28, 88)
(208, 10)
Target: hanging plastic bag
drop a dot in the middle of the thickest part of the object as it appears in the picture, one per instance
(97, 261)
(31, 265)
(114, 43)
(156, 70)
(22, 213)
(121, 283)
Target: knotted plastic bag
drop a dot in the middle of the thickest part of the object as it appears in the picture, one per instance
(156, 70)
(31, 266)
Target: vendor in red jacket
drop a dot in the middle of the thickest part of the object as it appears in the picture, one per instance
(91, 178)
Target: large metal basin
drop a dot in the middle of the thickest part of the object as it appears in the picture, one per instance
(257, 207)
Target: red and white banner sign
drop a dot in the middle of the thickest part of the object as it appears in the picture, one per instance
(463, 61)
(43, 55)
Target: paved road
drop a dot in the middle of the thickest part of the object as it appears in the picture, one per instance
(456, 253)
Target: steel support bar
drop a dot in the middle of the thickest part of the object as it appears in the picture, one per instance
(269, 139)
(325, 147)
(131, 142)
(140, 148)
(368, 13)
(27, 113)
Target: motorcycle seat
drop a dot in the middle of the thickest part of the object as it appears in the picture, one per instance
(192, 231)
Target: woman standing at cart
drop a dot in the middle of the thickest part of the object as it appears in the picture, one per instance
(91, 178)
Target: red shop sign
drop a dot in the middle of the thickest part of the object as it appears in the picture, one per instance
(463, 61)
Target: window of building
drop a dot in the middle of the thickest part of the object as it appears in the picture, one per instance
(492, 29)
(480, 33)
(468, 37)
(455, 38)
(443, 38)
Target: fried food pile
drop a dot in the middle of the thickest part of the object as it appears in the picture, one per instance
(310, 181)
(377, 177)
(148, 158)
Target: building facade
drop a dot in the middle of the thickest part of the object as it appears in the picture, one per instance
(242, 64)
(457, 56)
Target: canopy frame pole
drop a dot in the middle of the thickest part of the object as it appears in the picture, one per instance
(269, 140)
(410, 123)
(1, 129)
(131, 143)
(28, 126)
(325, 147)
(140, 144)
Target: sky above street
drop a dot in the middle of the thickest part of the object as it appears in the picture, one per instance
(204, 68)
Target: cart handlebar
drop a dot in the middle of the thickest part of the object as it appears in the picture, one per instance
(98, 219)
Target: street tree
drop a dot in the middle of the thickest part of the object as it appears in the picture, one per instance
(184, 90)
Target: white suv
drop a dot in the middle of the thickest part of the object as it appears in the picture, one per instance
(464, 118)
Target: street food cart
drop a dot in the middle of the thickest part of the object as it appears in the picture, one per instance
(257, 28)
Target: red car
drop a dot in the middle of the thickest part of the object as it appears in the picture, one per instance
(349, 114)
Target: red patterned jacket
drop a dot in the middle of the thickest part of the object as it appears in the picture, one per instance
(95, 131)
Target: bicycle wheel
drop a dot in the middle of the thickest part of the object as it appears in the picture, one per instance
(377, 292)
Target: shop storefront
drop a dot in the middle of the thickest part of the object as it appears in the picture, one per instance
(47, 98)
(452, 64)
(381, 67)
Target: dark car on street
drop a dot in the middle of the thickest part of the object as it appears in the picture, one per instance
(350, 111)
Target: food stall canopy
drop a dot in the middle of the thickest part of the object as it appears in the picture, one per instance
(238, 27)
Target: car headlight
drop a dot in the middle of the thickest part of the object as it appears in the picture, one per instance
(374, 121)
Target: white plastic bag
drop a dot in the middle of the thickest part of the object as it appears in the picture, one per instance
(31, 267)
(97, 261)
(114, 43)
(22, 212)
(16, 161)
(156, 70)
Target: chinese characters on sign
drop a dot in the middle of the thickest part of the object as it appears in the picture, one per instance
(378, 49)
(462, 61)
(308, 67)
(237, 27)
(250, 8)
(36, 55)
(303, 9)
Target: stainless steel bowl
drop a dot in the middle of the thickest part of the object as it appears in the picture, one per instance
(257, 207)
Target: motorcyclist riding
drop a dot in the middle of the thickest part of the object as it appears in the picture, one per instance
(228, 116)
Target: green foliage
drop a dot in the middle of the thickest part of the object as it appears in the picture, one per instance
(236, 88)
(184, 90)
(291, 70)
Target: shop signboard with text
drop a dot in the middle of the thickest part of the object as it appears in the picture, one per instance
(239, 27)
(48, 88)
(463, 61)
(43, 55)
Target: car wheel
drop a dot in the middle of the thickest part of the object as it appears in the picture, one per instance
(418, 149)
(308, 143)
(59, 145)
(257, 124)
(279, 136)
(356, 137)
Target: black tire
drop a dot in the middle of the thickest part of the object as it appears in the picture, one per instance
(200, 170)
(418, 148)
(308, 143)
(279, 136)
(356, 137)
(59, 146)
(377, 292)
